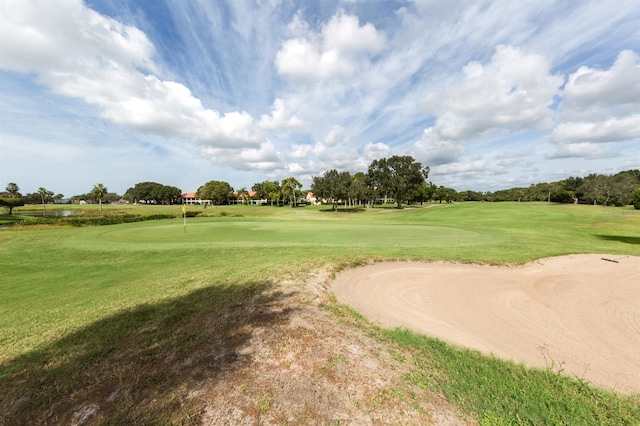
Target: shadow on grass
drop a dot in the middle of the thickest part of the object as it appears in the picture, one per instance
(343, 210)
(620, 238)
(9, 220)
(139, 366)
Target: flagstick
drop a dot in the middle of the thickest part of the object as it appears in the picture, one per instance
(184, 217)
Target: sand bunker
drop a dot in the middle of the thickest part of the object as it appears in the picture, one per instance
(579, 312)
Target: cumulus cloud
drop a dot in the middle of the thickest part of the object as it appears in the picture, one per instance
(335, 136)
(337, 51)
(300, 152)
(611, 130)
(265, 157)
(36, 36)
(281, 118)
(79, 53)
(620, 85)
(374, 151)
(599, 106)
(514, 91)
(432, 150)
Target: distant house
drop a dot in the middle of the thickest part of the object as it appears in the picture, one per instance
(191, 198)
(247, 198)
(311, 199)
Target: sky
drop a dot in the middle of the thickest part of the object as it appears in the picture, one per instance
(489, 94)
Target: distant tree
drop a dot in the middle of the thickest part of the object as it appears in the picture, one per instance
(470, 195)
(99, 191)
(333, 185)
(111, 197)
(13, 191)
(290, 188)
(268, 190)
(45, 196)
(10, 203)
(145, 192)
(273, 191)
(424, 192)
(635, 199)
(445, 194)
(398, 176)
(11, 198)
(58, 197)
(563, 196)
(216, 191)
(243, 195)
(359, 190)
(164, 194)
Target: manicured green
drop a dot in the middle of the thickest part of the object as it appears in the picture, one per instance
(68, 292)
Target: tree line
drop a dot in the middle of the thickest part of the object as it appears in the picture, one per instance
(398, 179)
(619, 189)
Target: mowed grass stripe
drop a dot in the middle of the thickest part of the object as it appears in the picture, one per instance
(270, 233)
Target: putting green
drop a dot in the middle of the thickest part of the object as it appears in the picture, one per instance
(283, 233)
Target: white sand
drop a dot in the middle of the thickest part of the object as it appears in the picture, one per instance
(580, 312)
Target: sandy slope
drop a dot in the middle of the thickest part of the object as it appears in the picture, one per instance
(579, 312)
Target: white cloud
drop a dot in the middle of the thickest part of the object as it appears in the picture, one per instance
(301, 167)
(512, 92)
(610, 130)
(374, 151)
(344, 34)
(474, 166)
(431, 150)
(600, 106)
(620, 85)
(581, 150)
(81, 54)
(336, 136)
(36, 36)
(337, 51)
(300, 152)
(281, 118)
(265, 157)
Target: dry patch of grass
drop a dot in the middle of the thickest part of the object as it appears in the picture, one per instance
(256, 353)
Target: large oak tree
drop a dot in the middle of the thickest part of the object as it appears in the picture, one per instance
(216, 191)
(333, 185)
(397, 176)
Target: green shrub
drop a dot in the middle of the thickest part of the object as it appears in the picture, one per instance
(635, 199)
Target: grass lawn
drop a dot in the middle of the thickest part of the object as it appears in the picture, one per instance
(72, 296)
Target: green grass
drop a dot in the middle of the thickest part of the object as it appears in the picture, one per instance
(74, 298)
(504, 393)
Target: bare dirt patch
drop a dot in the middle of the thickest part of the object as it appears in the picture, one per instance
(313, 368)
(579, 314)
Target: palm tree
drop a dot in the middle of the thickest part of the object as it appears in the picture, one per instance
(243, 196)
(289, 187)
(45, 196)
(99, 191)
(13, 190)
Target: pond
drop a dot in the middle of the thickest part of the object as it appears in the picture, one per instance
(46, 213)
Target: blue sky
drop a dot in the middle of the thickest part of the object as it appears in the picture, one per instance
(489, 94)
